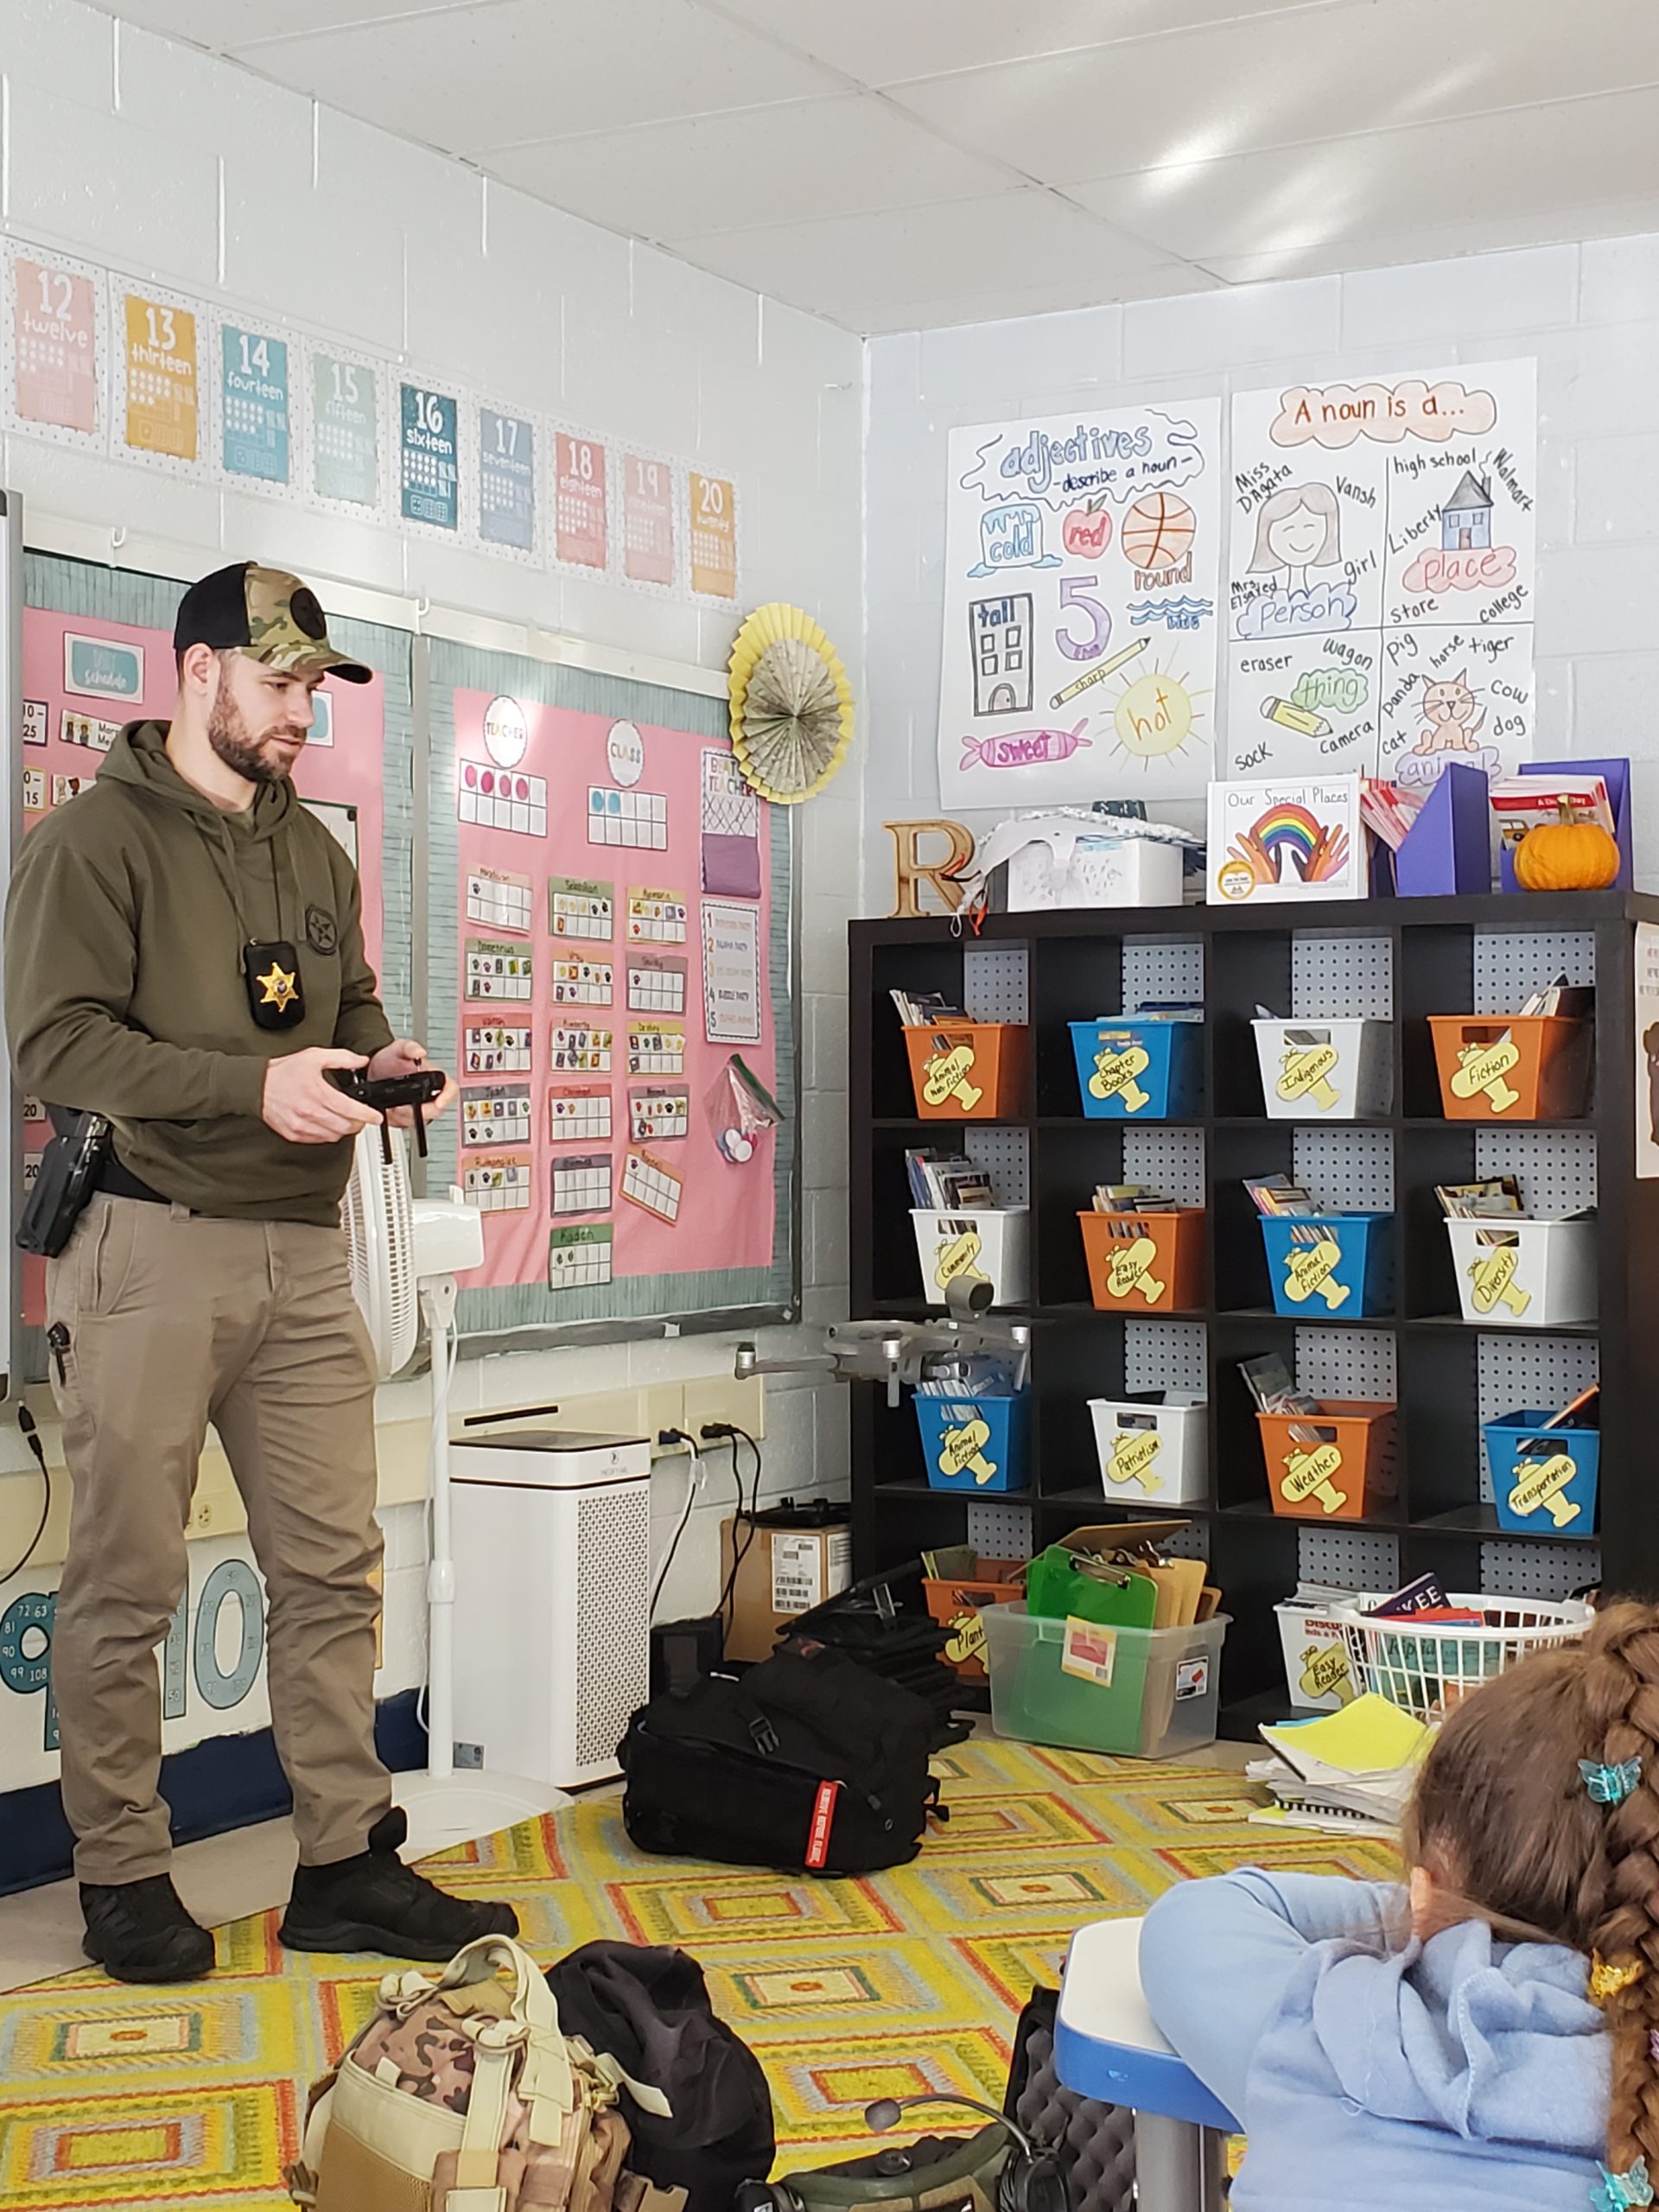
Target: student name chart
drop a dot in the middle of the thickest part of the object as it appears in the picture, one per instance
(1083, 554)
(605, 969)
(1383, 562)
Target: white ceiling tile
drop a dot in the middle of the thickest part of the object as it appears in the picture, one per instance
(519, 70)
(1021, 243)
(787, 163)
(1488, 169)
(881, 44)
(1618, 220)
(221, 24)
(1284, 79)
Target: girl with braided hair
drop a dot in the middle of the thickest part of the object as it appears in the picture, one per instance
(1486, 2035)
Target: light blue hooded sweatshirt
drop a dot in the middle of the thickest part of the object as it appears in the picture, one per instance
(1373, 2072)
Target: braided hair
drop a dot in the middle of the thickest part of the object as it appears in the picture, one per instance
(1505, 1825)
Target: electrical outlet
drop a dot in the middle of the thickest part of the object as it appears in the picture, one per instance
(722, 1397)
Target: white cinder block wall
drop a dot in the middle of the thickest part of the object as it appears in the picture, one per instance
(1589, 313)
(160, 162)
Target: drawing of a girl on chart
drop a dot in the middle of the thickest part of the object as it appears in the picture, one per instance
(1297, 530)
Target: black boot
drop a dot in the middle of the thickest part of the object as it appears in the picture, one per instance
(138, 1931)
(374, 1902)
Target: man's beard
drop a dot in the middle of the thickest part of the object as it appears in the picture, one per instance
(228, 734)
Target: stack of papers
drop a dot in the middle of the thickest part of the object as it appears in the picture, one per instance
(1348, 1773)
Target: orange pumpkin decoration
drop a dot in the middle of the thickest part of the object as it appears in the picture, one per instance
(1567, 855)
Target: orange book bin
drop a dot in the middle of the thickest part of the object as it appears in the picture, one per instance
(970, 1070)
(1339, 1473)
(1152, 1264)
(1518, 1067)
(956, 1603)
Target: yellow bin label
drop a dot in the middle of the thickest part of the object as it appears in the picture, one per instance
(1132, 1458)
(962, 1450)
(946, 1077)
(1127, 1271)
(1307, 1072)
(1494, 1281)
(1308, 1273)
(1312, 1474)
(1115, 1076)
(1484, 1068)
(1541, 1484)
(1325, 1672)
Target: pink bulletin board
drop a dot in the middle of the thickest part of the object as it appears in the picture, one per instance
(98, 652)
(614, 935)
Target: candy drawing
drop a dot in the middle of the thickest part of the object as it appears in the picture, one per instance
(1028, 748)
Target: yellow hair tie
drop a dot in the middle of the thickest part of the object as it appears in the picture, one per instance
(1606, 1981)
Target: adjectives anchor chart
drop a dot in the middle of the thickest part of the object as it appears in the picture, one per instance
(1382, 575)
(1082, 564)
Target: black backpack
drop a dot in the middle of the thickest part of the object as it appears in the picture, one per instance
(809, 1761)
(648, 2009)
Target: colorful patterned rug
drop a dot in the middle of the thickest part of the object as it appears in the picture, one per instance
(911, 1980)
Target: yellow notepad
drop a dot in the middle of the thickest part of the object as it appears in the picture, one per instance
(1371, 1736)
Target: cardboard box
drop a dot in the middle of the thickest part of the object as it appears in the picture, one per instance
(789, 1567)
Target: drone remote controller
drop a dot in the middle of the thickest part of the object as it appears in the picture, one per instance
(383, 1093)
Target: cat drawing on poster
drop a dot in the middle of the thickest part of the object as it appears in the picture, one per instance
(1383, 555)
(1083, 557)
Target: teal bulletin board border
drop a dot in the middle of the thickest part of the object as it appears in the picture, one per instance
(704, 1294)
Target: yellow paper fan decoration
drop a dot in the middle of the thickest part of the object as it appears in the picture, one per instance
(791, 704)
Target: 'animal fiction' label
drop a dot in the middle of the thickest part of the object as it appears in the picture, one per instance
(1309, 1272)
(946, 1077)
(962, 1450)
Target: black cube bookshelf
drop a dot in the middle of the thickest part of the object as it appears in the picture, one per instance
(1402, 958)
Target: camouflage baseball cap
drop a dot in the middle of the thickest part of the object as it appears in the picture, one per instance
(266, 614)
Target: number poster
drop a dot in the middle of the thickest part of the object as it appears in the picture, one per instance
(1382, 573)
(1082, 559)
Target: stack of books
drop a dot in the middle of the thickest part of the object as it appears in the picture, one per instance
(924, 1009)
(1347, 1773)
(947, 1182)
(1132, 1198)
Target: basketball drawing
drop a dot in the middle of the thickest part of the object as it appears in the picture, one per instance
(1158, 532)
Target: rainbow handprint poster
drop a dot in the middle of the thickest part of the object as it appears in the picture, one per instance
(1271, 841)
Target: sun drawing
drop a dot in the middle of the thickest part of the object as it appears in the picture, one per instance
(1156, 714)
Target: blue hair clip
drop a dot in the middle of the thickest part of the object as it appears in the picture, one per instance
(1619, 2192)
(1611, 1785)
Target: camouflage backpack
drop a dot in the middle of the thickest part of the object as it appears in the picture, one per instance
(462, 2096)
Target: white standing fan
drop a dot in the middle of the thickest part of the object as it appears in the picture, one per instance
(405, 1253)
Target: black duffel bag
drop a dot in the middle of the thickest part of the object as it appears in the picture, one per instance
(807, 1761)
(648, 2008)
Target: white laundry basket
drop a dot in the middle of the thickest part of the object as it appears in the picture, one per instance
(1426, 1668)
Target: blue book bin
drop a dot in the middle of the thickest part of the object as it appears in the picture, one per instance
(978, 1445)
(1138, 1071)
(1330, 1266)
(1543, 1479)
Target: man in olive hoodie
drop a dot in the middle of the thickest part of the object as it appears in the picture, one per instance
(184, 955)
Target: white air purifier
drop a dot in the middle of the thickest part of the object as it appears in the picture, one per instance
(552, 1549)
(404, 1255)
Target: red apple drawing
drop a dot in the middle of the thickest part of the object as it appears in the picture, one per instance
(1088, 531)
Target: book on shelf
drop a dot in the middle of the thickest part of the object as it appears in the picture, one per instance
(924, 1009)
(947, 1182)
(1522, 802)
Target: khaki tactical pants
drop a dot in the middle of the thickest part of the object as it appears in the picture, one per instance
(173, 1319)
